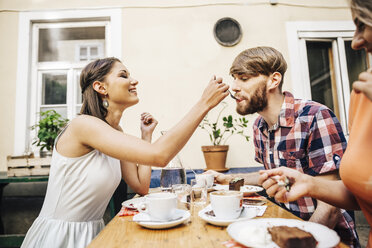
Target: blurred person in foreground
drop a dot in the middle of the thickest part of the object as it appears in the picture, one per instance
(294, 133)
(92, 154)
(354, 190)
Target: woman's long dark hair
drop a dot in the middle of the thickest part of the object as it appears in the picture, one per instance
(94, 71)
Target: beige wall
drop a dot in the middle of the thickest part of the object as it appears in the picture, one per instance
(8, 72)
(169, 47)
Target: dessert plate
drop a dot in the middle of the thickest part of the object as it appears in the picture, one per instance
(246, 189)
(221, 187)
(250, 189)
(179, 217)
(253, 233)
(247, 213)
(134, 203)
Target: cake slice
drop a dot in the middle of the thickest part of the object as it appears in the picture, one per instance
(236, 183)
(291, 237)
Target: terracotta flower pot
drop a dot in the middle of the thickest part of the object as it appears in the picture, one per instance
(215, 157)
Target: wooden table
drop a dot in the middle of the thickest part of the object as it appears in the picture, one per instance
(122, 233)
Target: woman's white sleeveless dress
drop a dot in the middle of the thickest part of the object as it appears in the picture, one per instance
(79, 190)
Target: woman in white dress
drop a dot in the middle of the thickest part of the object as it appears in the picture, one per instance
(92, 154)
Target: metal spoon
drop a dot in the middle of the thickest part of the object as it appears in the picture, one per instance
(232, 96)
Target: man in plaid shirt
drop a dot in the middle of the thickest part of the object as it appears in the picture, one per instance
(299, 134)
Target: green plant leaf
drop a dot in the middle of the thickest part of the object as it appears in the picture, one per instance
(230, 126)
(48, 127)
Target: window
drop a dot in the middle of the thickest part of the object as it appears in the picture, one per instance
(86, 52)
(326, 58)
(326, 64)
(52, 50)
(63, 49)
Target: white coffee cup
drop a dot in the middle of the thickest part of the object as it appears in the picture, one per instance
(205, 179)
(227, 205)
(160, 206)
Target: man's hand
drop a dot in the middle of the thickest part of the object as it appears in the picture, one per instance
(219, 177)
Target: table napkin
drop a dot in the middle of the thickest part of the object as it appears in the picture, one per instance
(124, 211)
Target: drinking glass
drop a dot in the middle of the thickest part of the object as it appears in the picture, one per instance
(199, 192)
(170, 176)
(183, 195)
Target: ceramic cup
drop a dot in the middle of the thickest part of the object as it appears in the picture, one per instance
(205, 178)
(227, 205)
(160, 206)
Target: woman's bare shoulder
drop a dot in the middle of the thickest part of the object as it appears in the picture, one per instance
(84, 121)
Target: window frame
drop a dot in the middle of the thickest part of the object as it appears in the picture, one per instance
(336, 32)
(26, 83)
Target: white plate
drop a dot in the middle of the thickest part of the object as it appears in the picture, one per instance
(221, 187)
(133, 203)
(161, 225)
(247, 213)
(250, 189)
(246, 189)
(238, 231)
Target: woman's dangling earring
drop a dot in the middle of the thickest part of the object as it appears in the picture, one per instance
(105, 103)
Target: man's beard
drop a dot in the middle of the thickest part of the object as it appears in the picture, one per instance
(257, 102)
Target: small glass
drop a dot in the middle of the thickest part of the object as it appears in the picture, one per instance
(183, 195)
(199, 192)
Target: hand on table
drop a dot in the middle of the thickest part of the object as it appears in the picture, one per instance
(219, 177)
(299, 184)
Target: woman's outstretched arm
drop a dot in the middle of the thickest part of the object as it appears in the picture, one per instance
(95, 133)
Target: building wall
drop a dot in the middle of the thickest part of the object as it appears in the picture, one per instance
(8, 72)
(169, 47)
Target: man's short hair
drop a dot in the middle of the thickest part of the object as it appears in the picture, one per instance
(259, 61)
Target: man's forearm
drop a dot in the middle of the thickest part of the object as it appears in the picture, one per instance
(326, 214)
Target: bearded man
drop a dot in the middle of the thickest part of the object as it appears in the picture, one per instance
(299, 134)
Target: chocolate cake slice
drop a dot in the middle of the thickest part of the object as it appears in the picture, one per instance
(291, 237)
(236, 183)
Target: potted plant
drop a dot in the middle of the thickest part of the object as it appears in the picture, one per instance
(49, 125)
(215, 155)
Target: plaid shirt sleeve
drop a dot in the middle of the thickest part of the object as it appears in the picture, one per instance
(327, 143)
(256, 140)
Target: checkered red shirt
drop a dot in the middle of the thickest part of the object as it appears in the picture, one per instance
(309, 138)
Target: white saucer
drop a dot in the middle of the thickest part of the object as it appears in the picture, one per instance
(221, 187)
(246, 189)
(185, 215)
(133, 203)
(250, 189)
(247, 213)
